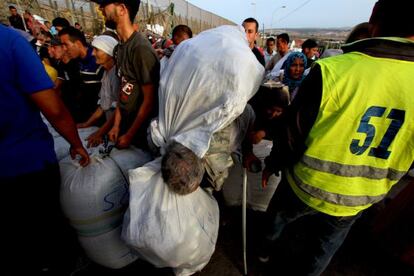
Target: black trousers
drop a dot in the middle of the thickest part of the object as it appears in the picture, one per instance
(36, 236)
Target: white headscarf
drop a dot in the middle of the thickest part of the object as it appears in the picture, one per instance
(105, 43)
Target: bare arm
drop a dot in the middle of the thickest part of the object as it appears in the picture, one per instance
(113, 133)
(96, 138)
(143, 114)
(55, 111)
(94, 117)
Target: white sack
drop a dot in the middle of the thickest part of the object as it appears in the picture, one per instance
(94, 199)
(205, 86)
(257, 198)
(167, 229)
(62, 146)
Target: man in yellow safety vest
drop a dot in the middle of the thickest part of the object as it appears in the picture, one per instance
(351, 136)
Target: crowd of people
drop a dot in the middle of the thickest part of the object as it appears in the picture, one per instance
(341, 126)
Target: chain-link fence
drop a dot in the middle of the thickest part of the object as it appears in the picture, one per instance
(157, 15)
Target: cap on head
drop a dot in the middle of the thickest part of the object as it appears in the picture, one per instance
(55, 42)
(105, 43)
(132, 5)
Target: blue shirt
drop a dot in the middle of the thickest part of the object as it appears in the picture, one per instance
(25, 143)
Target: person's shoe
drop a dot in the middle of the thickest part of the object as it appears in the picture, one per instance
(82, 265)
(264, 258)
(264, 251)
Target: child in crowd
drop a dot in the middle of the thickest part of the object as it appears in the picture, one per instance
(269, 105)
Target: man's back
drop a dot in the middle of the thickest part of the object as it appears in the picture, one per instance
(361, 139)
(25, 143)
(16, 21)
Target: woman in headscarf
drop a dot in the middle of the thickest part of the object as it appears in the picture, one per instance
(103, 47)
(294, 68)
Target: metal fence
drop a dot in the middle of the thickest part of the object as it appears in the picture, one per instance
(158, 15)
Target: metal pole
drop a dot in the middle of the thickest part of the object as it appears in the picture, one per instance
(54, 10)
(74, 11)
(70, 11)
(187, 14)
(263, 36)
(244, 219)
(21, 15)
(55, 5)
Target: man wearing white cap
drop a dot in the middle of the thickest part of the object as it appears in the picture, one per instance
(103, 47)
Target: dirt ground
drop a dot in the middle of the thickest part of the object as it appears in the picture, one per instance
(362, 254)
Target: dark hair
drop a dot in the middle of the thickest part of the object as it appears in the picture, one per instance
(182, 29)
(60, 22)
(74, 35)
(111, 34)
(43, 53)
(360, 31)
(47, 34)
(12, 7)
(309, 43)
(270, 39)
(77, 23)
(252, 20)
(393, 18)
(181, 169)
(133, 7)
(268, 97)
(283, 36)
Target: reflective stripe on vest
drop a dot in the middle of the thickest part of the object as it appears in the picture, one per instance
(351, 170)
(322, 205)
(334, 198)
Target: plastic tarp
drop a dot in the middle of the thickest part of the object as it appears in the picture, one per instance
(204, 87)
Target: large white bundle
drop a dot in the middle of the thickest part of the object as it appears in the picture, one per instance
(94, 199)
(257, 198)
(204, 87)
(167, 229)
(62, 146)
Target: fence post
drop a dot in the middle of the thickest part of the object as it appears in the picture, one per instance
(54, 10)
(96, 26)
(74, 11)
(83, 17)
(187, 15)
(200, 30)
(68, 6)
(55, 5)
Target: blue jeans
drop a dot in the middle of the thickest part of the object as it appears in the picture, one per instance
(326, 233)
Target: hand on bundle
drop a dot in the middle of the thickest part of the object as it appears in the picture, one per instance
(251, 162)
(94, 139)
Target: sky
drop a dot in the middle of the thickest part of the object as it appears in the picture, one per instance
(292, 13)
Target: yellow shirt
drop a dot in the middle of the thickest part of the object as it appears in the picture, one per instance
(53, 74)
